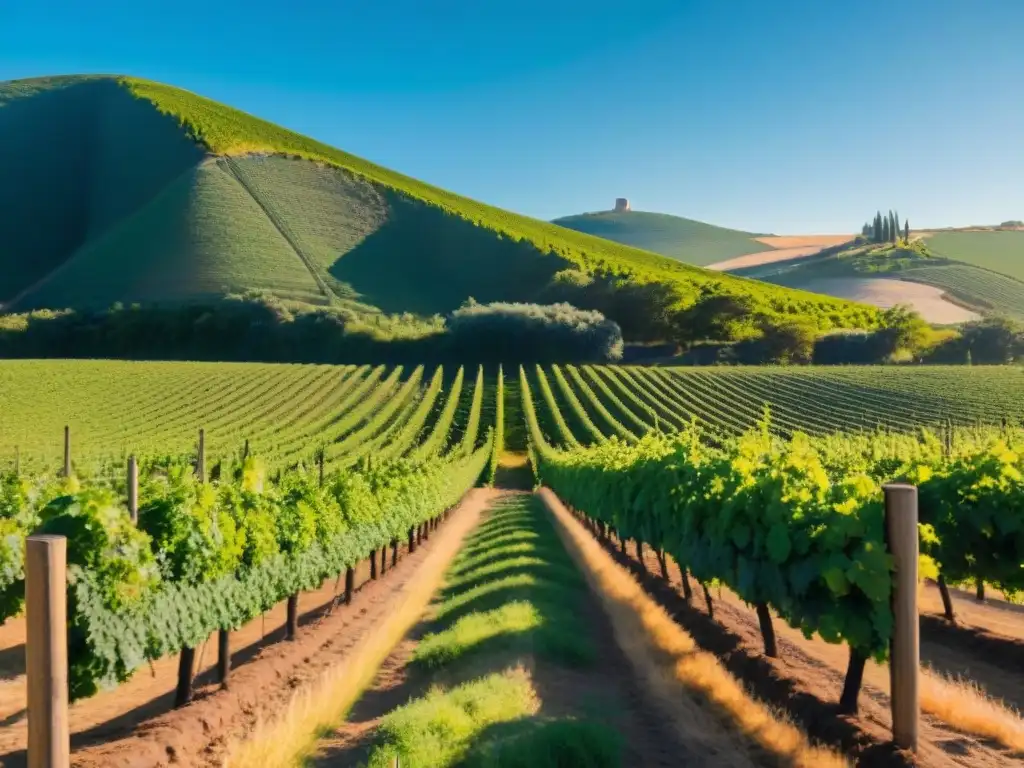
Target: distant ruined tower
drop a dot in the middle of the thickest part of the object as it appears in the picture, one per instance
(622, 204)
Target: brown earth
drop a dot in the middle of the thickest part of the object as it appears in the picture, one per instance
(785, 248)
(135, 724)
(562, 691)
(807, 678)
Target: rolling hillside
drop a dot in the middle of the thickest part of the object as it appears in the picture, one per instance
(689, 241)
(997, 250)
(122, 190)
(880, 274)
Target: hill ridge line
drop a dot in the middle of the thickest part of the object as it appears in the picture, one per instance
(280, 226)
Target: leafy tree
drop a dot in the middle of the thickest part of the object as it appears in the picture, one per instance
(994, 340)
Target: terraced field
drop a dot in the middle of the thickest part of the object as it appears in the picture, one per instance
(288, 412)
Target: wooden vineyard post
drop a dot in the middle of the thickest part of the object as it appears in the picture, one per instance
(905, 648)
(67, 451)
(394, 552)
(320, 466)
(412, 540)
(186, 669)
(223, 658)
(201, 457)
(133, 489)
(245, 450)
(373, 563)
(383, 559)
(350, 584)
(46, 651)
(292, 619)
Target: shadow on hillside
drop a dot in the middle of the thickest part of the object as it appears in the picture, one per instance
(426, 261)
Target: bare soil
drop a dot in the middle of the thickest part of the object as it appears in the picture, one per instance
(884, 293)
(562, 691)
(807, 678)
(785, 248)
(135, 724)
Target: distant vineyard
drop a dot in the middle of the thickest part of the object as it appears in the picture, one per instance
(982, 288)
(287, 413)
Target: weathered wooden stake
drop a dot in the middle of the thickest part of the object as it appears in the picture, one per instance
(947, 602)
(764, 618)
(979, 590)
(707, 599)
(373, 564)
(383, 559)
(412, 540)
(186, 670)
(291, 626)
(905, 648)
(67, 451)
(223, 657)
(133, 489)
(687, 589)
(851, 685)
(46, 651)
(201, 457)
(350, 585)
(394, 552)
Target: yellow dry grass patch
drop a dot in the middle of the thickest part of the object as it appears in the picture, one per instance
(679, 673)
(963, 705)
(292, 736)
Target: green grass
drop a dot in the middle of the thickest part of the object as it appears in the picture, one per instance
(286, 411)
(999, 251)
(132, 212)
(508, 607)
(686, 240)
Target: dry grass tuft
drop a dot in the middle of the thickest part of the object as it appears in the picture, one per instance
(966, 707)
(681, 674)
(291, 737)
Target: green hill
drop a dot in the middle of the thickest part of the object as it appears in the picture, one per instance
(115, 189)
(998, 250)
(689, 241)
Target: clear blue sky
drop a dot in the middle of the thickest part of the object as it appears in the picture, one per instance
(789, 117)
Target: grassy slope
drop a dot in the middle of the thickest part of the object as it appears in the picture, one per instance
(693, 242)
(397, 242)
(977, 287)
(228, 131)
(999, 251)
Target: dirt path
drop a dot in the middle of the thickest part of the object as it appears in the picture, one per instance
(563, 690)
(807, 678)
(135, 724)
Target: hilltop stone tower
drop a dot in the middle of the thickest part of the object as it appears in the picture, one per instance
(622, 204)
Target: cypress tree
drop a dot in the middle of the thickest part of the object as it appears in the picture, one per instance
(906, 230)
(878, 227)
(892, 228)
(896, 226)
(885, 230)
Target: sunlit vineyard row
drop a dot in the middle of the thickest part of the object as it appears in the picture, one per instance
(589, 404)
(288, 413)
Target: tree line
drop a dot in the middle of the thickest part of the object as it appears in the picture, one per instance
(885, 228)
